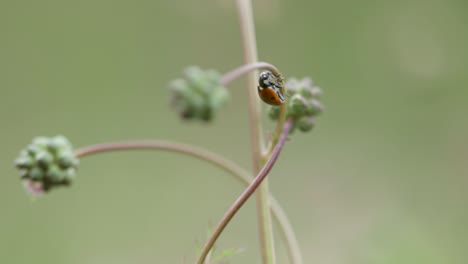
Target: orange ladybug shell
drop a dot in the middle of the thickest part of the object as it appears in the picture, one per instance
(271, 95)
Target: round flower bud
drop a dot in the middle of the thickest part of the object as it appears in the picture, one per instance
(314, 107)
(58, 143)
(316, 92)
(297, 105)
(306, 123)
(67, 160)
(44, 159)
(199, 95)
(24, 162)
(303, 103)
(274, 112)
(36, 174)
(47, 163)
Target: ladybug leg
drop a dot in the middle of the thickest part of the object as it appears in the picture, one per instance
(278, 84)
(280, 95)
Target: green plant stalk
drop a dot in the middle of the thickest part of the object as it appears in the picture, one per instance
(292, 245)
(202, 154)
(253, 186)
(250, 56)
(279, 128)
(249, 47)
(247, 68)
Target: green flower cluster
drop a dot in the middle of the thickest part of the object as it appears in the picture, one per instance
(47, 163)
(302, 103)
(199, 94)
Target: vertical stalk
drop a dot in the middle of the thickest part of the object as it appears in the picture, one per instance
(249, 44)
(240, 201)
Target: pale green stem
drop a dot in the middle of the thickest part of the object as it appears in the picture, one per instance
(223, 163)
(250, 56)
(249, 44)
(247, 68)
(253, 186)
(292, 245)
(279, 128)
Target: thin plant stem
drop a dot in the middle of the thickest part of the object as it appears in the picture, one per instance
(249, 47)
(277, 133)
(285, 227)
(246, 68)
(232, 168)
(265, 227)
(246, 194)
(294, 252)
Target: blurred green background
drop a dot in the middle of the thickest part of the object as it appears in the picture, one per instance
(382, 179)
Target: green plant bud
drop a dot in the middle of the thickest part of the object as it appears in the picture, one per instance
(302, 103)
(47, 163)
(198, 80)
(55, 174)
(195, 74)
(306, 123)
(24, 162)
(23, 172)
(180, 90)
(32, 150)
(67, 160)
(316, 92)
(188, 102)
(297, 105)
(197, 101)
(314, 107)
(58, 143)
(213, 76)
(292, 85)
(206, 114)
(210, 82)
(274, 112)
(44, 159)
(36, 174)
(33, 187)
(70, 173)
(199, 95)
(178, 86)
(219, 98)
(41, 142)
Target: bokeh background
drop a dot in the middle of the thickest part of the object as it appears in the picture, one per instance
(382, 179)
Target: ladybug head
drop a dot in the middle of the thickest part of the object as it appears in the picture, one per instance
(266, 79)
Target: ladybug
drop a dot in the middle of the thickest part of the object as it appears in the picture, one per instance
(269, 89)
